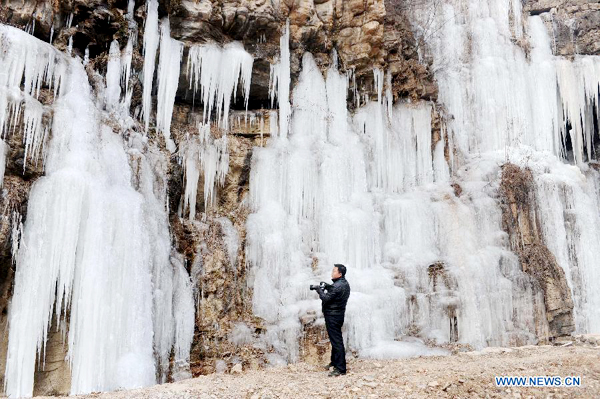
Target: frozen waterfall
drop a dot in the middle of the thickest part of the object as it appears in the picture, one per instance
(372, 190)
(95, 248)
(417, 217)
(534, 109)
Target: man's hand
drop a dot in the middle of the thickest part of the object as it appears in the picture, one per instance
(331, 293)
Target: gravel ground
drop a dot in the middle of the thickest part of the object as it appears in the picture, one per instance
(466, 375)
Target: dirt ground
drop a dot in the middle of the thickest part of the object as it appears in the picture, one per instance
(465, 375)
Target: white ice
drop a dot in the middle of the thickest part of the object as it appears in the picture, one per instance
(171, 52)
(95, 247)
(151, 38)
(215, 73)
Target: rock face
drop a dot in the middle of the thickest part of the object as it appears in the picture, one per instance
(575, 24)
(520, 221)
(365, 34)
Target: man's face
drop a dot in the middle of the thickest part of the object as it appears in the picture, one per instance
(335, 273)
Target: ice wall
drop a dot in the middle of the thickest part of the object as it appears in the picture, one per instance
(501, 96)
(95, 249)
(361, 190)
(372, 190)
(510, 99)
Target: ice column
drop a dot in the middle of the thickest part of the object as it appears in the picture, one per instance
(83, 258)
(113, 76)
(151, 37)
(280, 81)
(171, 52)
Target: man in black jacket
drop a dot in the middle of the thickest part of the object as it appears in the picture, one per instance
(334, 298)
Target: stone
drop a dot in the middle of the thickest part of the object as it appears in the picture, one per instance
(496, 350)
(236, 369)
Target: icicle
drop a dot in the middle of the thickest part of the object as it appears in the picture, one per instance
(203, 153)
(232, 241)
(389, 97)
(216, 72)
(69, 20)
(378, 83)
(33, 63)
(133, 27)
(70, 45)
(150, 46)
(280, 81)
(126, 58)
(113, 71)
(34, 133)
(3, 151)
(578, 84)
(130, 7)
(16, 234)
(183, 311)
(171, 52)
(192, 175)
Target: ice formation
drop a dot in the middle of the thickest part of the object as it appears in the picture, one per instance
(203, 153)
(113, 76)
(171, 52)
(280, 81)
(151, 38)
(216, 73)
(533, 112)
(103, 265)
(344, 197)
(499, 99)
(372, 190)
(34, 65)
(3, 151)
(232, 241)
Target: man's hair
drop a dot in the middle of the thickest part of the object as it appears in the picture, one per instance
(341, 269)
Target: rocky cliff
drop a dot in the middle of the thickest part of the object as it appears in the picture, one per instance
(366, 34)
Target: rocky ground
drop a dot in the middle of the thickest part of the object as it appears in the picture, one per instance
(464, 375)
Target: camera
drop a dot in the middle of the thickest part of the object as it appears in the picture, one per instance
(322, 284)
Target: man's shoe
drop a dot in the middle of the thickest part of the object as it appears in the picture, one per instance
(335, 373)
(330, 365)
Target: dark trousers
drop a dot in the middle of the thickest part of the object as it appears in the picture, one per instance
(334, 330)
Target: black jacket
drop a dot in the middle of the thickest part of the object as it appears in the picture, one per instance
(335, 299)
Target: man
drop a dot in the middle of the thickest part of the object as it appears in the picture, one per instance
(334, 298)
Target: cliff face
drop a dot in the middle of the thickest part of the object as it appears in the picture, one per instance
(575, 24)
(366, 34)
(522, 224)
